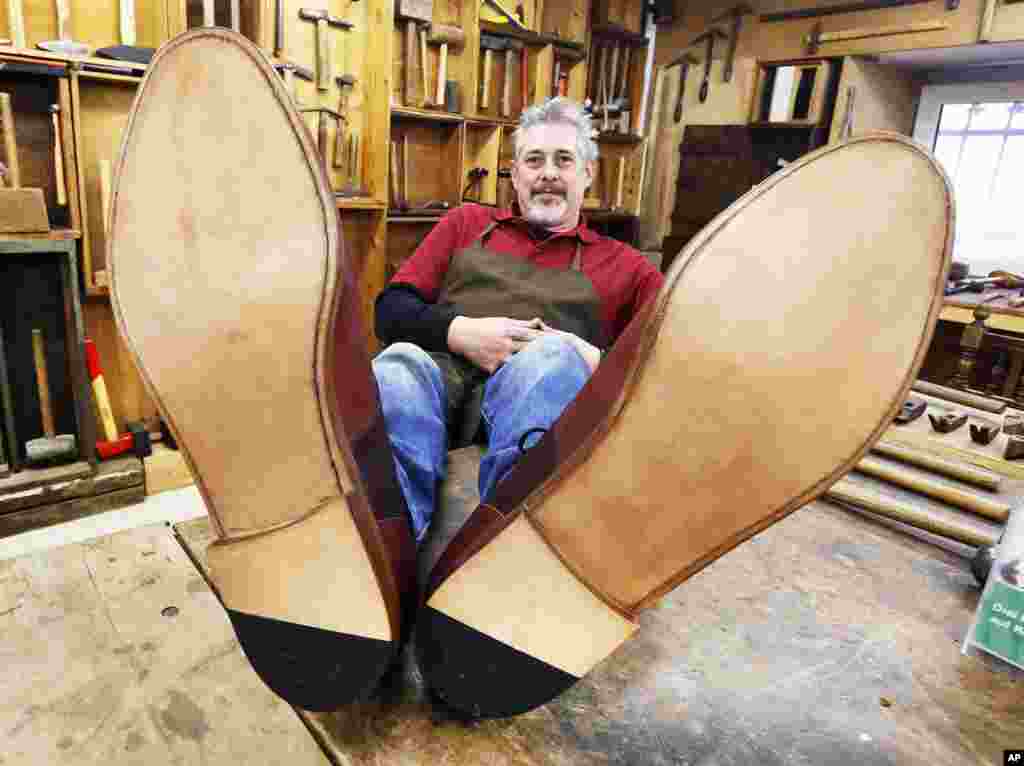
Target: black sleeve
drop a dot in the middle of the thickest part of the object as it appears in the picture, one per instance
(401, 314)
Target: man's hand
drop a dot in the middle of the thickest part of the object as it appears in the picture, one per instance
(591, 354)
(488, 343)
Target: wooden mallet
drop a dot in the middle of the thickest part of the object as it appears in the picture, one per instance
(443, 35)
(21, 210)
(49, 448)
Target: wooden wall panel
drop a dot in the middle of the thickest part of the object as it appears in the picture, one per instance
(883, 98)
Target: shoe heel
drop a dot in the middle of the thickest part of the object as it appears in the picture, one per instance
(496, 657)
(307, 608)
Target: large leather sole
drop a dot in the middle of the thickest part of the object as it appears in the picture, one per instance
(224, 261)
(784, 340)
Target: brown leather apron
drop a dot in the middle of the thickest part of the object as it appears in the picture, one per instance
(481, 283)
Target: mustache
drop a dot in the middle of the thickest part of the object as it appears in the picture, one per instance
(549, 189)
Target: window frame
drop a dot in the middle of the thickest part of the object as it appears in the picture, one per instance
(933, 97)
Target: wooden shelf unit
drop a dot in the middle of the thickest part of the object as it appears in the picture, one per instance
(95, 95)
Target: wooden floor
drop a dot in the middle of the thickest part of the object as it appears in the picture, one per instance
(827, 639)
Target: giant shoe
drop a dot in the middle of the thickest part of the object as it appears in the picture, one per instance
(784, 339)
(232, 288)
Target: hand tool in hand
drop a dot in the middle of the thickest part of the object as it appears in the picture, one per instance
(314, 559)
(414, 13)
(911, 410)
(684, 70)
(8, 430)
(21, 210)
(58, 157)
(345, 82)
(65, 46)
(947, 422)
(50, 448)
(99, 389)
(445, 36)
(506, 90)
(489, 44)
(525, 601)
(323, 20)
(127, 50)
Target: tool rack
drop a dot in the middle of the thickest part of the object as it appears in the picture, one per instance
(448, 156)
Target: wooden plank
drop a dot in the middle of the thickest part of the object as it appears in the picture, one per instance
(111, 476)
(785, 39)
(108, 672)
(102, 109)
(166, 469)
(884, 98)
(69, 510)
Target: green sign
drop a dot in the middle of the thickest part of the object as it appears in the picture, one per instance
(1000, 626)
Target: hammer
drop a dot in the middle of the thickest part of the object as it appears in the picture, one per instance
(444, 36)
(323, 62)
(489, 43)
(506, 90)
(289, 72)
(345, 81)
(48, 448)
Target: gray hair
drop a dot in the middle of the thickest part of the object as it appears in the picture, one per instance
(560, 110)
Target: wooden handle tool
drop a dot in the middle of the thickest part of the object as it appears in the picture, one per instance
(43, 383)
(485, 95)
(968, 501)
(105, 187)
(423, 65)
(506, 86)
(848, 492)
(16, 21)
(58, 157)
(10, 142)
(393, 175)
(442, 74)
(410, 56)
(954, 470)
(99, 389)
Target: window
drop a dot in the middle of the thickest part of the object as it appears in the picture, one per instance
(977, 133)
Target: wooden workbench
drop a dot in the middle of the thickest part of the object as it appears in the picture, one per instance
(829, 638)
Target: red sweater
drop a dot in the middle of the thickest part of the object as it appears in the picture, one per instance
(623, 278)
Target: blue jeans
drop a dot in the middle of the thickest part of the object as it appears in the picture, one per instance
(529, 391)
